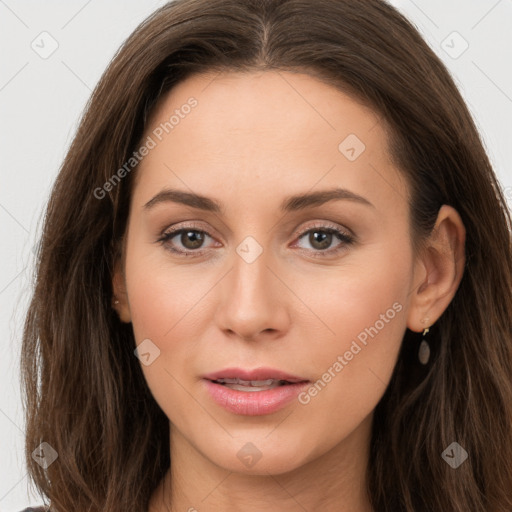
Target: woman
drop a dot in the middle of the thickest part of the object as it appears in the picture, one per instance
(275, 274)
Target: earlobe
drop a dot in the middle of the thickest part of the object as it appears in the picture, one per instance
(120, 299)
(439, 270)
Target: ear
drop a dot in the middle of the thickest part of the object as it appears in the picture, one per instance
(119, 287)
(438, 270)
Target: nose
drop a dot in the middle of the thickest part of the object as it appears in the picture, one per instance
(254, 301)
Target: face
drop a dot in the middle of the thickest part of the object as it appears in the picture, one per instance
(305, 288)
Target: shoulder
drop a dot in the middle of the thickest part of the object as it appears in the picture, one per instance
(35, 509)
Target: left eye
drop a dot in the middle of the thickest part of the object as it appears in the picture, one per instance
(320, 238)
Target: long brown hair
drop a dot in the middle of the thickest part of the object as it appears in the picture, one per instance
(85, 394)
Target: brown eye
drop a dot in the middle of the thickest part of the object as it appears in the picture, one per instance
(320, 239)
(192, 239)
(185, 241)
(189, 241)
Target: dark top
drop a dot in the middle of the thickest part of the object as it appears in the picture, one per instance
(31, 509)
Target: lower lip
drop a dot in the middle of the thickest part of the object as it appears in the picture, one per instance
(254, 403)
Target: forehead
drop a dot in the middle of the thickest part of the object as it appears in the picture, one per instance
(275, 128)
(279, 104)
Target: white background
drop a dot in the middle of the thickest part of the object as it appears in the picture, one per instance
(41, 101)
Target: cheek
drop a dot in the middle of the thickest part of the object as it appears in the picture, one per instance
(363, 313)
(162, 302)
(170, 304)
(161, 294)
(159, 300)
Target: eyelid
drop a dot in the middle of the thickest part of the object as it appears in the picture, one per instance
(324, 225)
(347, 237)
(190, 225)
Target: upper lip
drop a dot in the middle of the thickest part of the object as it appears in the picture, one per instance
(257, 374)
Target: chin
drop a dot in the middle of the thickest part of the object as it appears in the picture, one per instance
(260, 456)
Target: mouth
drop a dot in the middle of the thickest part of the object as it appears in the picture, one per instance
(257, 379)
(253, 392)
(253, 385)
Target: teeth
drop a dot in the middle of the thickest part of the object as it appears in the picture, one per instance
(237, 387)
(267, 382)
(254, 383)
(251, 385)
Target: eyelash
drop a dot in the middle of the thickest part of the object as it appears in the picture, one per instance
(344, 237)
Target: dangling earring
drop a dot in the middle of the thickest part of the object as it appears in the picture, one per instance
(116, 301)
(424, 351)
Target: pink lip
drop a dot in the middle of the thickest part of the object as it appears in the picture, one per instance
(253, 403)
(256, 374)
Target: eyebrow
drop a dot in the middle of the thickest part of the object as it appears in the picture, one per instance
(290, 204)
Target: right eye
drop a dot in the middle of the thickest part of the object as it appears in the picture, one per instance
(191, 240)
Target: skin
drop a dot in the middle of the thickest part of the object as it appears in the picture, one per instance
(253, 140)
